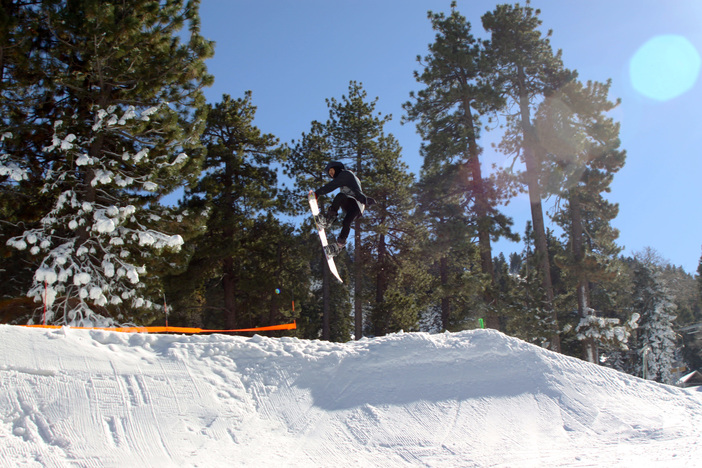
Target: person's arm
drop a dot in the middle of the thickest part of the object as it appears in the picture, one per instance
(329, 187)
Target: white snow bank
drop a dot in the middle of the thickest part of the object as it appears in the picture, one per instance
(479, 398)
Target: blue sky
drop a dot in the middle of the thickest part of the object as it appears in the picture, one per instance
(294, 54)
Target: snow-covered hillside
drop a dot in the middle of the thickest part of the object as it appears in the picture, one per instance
(478, 398)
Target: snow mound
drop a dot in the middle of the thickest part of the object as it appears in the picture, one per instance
(475, 398)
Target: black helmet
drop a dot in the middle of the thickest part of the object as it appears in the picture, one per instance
(338, 166)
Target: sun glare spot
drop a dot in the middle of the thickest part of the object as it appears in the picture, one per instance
(664, 67)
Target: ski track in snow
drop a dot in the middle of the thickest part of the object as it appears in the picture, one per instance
(476, 398)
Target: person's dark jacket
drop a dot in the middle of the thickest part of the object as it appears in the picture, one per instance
(348, 184)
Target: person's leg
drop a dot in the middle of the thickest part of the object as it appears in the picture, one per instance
(326, 219)
(352, 212)
(340, 201)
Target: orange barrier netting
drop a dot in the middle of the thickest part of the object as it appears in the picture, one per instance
(286, 326)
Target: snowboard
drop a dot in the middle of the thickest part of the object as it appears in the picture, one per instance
(322, 235)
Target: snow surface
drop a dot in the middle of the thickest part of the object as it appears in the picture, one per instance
(476, 398)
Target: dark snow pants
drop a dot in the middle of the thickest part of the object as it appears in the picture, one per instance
(350, 207)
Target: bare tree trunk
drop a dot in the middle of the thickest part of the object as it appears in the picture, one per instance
(445, 302)
(274, 310)
(381, 285)
(358, 283)
(358, 265)
(482, 206)
(229, 277)
(537, 215)
(326, 312)
(229, 285)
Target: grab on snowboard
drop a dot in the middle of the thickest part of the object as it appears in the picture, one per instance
(329, 251)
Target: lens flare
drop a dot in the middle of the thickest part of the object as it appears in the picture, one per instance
(664, 67)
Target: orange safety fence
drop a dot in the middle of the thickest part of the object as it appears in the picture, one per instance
(285, 326)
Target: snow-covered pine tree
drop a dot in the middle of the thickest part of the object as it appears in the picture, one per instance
(117, 99)
(656, 338)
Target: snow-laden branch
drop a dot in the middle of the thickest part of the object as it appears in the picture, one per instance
(606, 331)
(8, 167)
(87, 244)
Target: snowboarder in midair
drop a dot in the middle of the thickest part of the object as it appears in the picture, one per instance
(350, 199)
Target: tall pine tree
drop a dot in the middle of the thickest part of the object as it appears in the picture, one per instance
(652, 300)
(448, 113)
(115, 110)
(354, 128)
(582, 155)
(21, 177)
(304, 164)
(527, 70)
(392, 234)
(238, 190)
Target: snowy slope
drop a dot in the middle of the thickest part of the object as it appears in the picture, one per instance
(478, 398)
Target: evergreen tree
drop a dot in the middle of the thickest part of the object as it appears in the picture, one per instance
(448, 231)
(449, 253)
(656, 338)
(448, 113)
(304, 164)
(685, 293)
(113, 114)
(21, 178)
(392, 235)
(528, 318)
(241, 258)
(354, 130)
(527, 69)
(325, 307)
(692, 350)
(582, 155)
(509, 287)
(612, 294)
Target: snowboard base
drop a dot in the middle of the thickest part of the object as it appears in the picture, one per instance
(323, 236)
